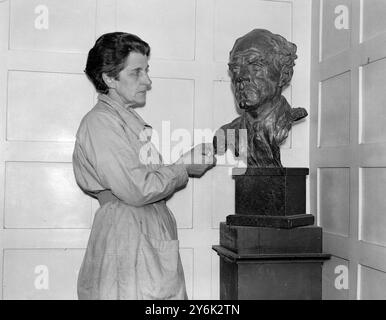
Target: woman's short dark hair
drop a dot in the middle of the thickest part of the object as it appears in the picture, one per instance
(109, 55)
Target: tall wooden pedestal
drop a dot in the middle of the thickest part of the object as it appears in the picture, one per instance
(269, 248)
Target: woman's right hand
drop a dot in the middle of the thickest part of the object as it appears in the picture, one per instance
(198, 160)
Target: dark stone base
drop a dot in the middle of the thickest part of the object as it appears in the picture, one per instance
(270, 191)
(270, 276)
(260, 240)
(286, 222)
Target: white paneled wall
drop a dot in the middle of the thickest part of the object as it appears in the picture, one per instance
(49, 107)
(44, 218)
(170, 28)
(40, 273)
(335, 122)
(51, 26)
(334, 201)
(348, 144)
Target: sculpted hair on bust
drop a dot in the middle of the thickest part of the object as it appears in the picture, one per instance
(109, 56)
(284, 57)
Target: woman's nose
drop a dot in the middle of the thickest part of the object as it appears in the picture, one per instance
(147, 80)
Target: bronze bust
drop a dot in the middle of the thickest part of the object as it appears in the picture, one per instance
(261, 66)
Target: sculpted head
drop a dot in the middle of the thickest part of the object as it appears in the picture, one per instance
(261, 66)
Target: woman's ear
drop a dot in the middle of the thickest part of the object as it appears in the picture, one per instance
(109, 81)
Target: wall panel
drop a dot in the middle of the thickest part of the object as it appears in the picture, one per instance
(333, 281)
(373, 113)
(49, 114)
(250, 14)
(215, 276)
(334, 193)
(334, 40)
(52, 24)
(41, 274)
(373, 205)
(335, 111)
(44, 195)
(222, 194)
(167, 40)
(373, 22)
(372, 283)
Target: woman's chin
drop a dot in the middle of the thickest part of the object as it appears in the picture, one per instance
(139, 103)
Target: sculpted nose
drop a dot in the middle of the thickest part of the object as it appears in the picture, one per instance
(243, 76)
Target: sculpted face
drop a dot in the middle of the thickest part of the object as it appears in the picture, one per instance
(261, 65)
(254, 78)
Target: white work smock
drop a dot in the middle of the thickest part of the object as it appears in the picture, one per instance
(133, 249)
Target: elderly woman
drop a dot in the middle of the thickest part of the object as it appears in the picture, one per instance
(133, 249)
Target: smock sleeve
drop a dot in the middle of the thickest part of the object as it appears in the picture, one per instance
(117, 166)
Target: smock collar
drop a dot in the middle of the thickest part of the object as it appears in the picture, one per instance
(129, 116)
